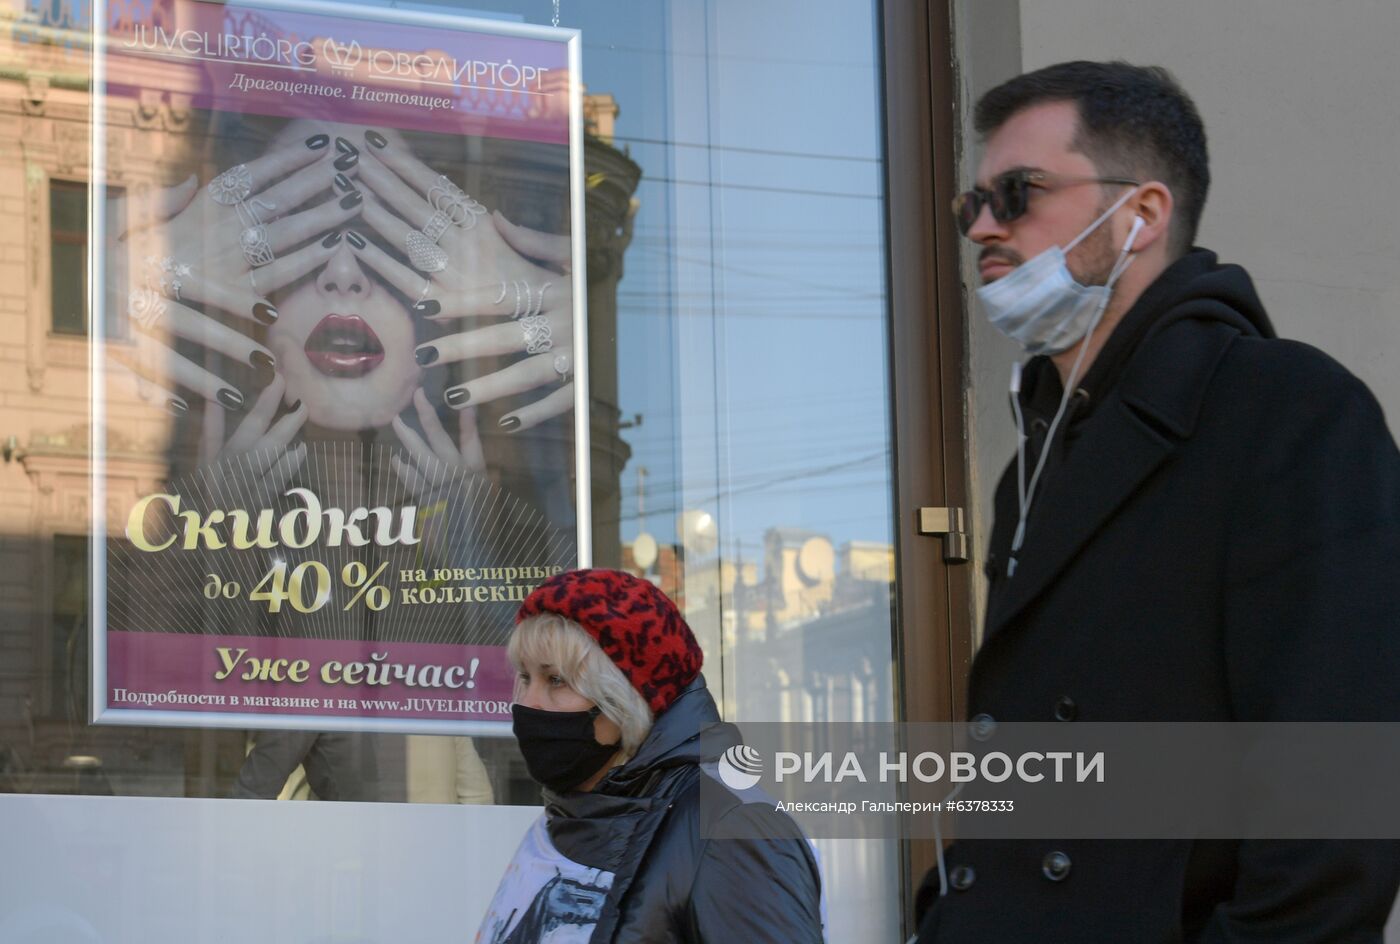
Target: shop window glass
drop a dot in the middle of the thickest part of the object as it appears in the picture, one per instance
(738, 356)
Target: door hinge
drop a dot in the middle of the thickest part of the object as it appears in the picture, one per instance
(951, 525)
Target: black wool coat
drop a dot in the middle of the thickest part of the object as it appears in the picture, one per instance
(1216, 537)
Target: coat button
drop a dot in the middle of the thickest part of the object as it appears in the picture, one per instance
(961, 878)
(982, 727)
(1066, 709)
(1055, 866)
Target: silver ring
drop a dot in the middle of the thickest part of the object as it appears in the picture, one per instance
(248, 213)
(539, 300)
(423, 295)
(167, 274)
(538, 334)
(449, 199)
(424, 254)
(527, 303)
(252, 280)
(232, 186)
(563, 366)
(437, 225)
(444, 193)
(146, 308)
(257, 251)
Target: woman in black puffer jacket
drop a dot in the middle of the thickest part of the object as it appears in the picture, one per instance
(610, 706)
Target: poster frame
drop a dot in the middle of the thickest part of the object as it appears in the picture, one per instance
(100, 712)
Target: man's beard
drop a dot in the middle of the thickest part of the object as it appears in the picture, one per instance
(1097, 255)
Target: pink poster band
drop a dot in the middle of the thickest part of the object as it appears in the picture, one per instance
(318, 677)
(305, 65)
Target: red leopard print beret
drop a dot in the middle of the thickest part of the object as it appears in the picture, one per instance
(633, 622)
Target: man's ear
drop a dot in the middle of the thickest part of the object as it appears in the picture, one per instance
(1153, 202)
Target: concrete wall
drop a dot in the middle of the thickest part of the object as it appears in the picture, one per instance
(1299, 105)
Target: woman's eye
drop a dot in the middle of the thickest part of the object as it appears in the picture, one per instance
(555, 681)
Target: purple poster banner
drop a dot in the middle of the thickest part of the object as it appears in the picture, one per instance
(304, 65)
(259, 675)
(307, 218)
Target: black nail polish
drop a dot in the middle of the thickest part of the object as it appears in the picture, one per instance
(351, 200)
(295, 405)
(458, 398)
(427, 308)
(509, 423)
(178, 407)
(265, 313)
(262, 361)
(347, 161)
(318, 141)
(426, 355)
(345, 147)
(377, 139)
(356, 239)
(332, 239)
(343, 183)
(231, 399)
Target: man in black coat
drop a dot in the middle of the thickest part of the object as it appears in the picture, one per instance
(1203, 525)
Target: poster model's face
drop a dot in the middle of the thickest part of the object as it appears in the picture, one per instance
(343, 339)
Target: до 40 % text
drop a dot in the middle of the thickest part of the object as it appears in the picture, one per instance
(307, 586)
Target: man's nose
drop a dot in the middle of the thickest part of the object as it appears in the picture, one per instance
(986, 229)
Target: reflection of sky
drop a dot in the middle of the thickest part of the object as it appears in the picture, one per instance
(794, 254)
(768, 117)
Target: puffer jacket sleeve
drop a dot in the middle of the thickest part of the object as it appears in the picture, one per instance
(763, 887)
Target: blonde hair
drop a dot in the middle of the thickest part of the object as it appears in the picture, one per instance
(554, 640)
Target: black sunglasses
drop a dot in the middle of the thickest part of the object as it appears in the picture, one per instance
(1009, 196)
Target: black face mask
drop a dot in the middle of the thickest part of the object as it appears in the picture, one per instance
(559, 747)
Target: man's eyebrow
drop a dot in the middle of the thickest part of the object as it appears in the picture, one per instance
(1018, 169)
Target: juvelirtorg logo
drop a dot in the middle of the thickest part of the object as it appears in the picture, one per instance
(740, 767)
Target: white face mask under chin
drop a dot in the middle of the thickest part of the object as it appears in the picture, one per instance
(1026, 490)
(1040, 304)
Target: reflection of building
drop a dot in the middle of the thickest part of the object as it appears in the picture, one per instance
(45, 473)
(612, 177)
(666, 572)
(527, 190)
(799, 632)
(44, 422)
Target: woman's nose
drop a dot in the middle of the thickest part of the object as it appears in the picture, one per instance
(343, 275)
(532, 697)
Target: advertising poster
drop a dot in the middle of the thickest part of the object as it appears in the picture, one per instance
(351, 290)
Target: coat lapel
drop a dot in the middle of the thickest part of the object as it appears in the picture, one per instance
(1125, 441)
(1079, 499)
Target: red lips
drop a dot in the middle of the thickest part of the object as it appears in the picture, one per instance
(343, 346)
